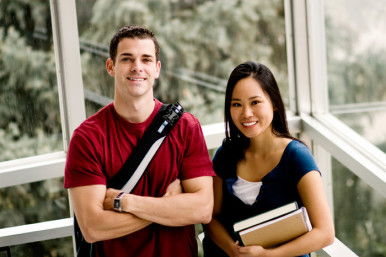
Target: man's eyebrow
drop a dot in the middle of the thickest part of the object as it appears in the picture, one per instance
(126, 54)
(143, 56)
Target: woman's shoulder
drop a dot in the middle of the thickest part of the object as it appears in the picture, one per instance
(296, 147)
(300, 157)
(224, 162)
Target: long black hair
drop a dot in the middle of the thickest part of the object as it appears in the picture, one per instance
(234, 138)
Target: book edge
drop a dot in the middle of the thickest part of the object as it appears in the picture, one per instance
(241, 225)
(302, 212)
(269, 222)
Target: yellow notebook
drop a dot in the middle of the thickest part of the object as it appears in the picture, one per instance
(277, 231)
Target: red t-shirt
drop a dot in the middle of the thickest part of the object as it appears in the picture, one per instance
(101, 145)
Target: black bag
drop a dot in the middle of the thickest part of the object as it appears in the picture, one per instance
(166, 118)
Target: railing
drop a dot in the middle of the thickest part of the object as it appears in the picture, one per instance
(52, 165)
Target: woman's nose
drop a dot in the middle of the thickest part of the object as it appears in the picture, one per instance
(247, 112)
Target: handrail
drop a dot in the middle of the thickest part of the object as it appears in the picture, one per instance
(37, 168)
(64, 228)
(36, 232)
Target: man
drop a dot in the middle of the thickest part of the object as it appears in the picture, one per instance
(176, 188)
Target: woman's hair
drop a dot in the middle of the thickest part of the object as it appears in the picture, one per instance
(267, 81)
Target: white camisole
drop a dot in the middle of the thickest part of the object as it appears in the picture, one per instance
(246, 191)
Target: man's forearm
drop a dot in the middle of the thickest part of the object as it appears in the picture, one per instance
(192, 207)
(112, 225)
(177, 210)
(97, 223)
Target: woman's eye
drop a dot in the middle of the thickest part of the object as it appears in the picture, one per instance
(235, 105)
(255, 102)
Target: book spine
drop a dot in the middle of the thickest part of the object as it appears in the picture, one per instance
(307, 219)
(238, 238)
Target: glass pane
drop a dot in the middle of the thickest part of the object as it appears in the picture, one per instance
(61, 247)
(359, 213)
(29, 109)
(34, 202)
(201, 42)
(356, 56)
(368, 124)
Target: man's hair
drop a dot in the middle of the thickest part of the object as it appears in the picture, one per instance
(132, 31)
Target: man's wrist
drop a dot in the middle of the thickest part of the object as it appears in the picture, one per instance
(118, 202)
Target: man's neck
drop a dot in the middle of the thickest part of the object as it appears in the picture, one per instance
(135, 111)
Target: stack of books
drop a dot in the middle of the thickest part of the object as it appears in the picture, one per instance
(274, 227)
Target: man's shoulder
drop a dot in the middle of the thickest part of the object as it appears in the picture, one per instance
(96, 122)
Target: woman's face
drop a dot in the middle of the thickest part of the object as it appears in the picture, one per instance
(251, 108)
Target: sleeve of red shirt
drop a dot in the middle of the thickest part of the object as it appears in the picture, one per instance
(196, 161)
(83, 164)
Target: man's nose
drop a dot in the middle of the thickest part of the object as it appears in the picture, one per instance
(136, 66)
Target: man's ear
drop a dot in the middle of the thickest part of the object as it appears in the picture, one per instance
(110, 67)
(158, 69)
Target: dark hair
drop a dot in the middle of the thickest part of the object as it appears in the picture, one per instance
(268, 83)
(132, 31)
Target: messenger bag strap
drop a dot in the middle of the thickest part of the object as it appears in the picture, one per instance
(130, 173)
(132, 170)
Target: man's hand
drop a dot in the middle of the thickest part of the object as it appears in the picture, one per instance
(108, 203)
(174, 188)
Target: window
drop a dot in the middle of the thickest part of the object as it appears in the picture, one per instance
(356, 50)
(360, 224)
(29, 107)
(356, 57)
(201, 42)
(30, 125)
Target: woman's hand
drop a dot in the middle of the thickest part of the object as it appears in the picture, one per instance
(251, 251)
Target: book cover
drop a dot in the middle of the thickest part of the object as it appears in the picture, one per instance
(277, 231)
(255, 220)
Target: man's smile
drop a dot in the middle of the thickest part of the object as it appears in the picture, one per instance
(136, 79)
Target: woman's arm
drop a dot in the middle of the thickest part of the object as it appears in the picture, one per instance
(311, 191)
(215, 229)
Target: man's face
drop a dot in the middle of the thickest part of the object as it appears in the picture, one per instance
(135, 68)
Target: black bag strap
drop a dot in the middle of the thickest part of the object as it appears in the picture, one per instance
(166, 118)
(163, 122)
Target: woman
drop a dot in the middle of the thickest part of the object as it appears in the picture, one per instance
(260, 166)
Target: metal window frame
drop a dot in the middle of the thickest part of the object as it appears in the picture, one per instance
(308, 115)
(68, 66)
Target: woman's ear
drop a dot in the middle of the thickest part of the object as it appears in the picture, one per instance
(110, 67)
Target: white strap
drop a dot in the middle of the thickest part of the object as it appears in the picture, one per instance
(142, 166)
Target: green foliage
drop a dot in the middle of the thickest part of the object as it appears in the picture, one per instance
(355, 61)
(30, 120)
(188, 33)
(28, 95)
(361, 224)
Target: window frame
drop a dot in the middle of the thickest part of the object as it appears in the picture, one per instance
(308, 113)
